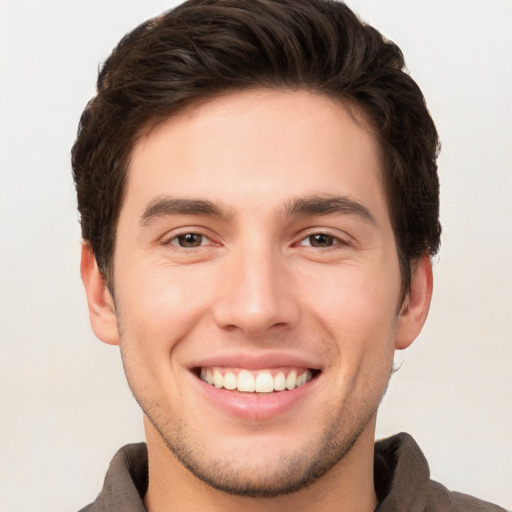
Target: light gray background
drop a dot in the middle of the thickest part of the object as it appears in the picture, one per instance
(64, 405)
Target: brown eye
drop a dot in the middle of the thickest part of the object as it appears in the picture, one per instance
(321, 240)
(189, 240)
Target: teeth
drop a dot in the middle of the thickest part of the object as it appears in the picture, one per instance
(230, 380)
(259, 382)
(280, 382)
(291, 380)
(218, 379)
(301, 380)
(264, 383)
(245, 381)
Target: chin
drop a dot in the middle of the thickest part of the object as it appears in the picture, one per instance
(265, 468)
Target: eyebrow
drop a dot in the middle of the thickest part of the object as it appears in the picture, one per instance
(163, 206)
(311, 205)
(327, 205)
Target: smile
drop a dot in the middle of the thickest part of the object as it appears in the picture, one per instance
(262, 381)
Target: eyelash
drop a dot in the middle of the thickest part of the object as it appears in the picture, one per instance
(332, 239)
(335, 240)
(174, 240)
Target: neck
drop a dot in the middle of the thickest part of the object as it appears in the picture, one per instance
(348, 486)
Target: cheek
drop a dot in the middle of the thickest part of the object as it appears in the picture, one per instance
(155, 314)
(353, 299)
(162, 297)
(357, 309)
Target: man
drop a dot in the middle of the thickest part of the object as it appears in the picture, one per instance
(258, 192)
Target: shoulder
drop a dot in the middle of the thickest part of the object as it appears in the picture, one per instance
(125, 483)
(402, 482)
(441, 499)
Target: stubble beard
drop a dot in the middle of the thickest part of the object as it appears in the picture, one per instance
(239, 474)
(288, 474)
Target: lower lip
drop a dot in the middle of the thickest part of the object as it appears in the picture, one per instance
(254, 406)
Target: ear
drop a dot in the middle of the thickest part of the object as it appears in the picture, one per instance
(101, 305)
(414, 310)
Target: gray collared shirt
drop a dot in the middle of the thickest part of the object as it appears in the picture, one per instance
(401, 475)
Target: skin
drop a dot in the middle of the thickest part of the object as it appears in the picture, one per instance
(259, 285)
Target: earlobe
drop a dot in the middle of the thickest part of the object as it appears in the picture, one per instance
(414, 311)
(102, 313)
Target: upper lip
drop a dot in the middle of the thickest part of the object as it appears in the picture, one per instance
(264, 361)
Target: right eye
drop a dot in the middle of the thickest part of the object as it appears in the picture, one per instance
(189, 240)
(319, 240)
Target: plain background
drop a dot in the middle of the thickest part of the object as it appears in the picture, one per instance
(64, 405)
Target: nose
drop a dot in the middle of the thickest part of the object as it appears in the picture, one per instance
(256, 294)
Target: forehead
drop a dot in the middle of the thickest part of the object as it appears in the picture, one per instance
(259, 143)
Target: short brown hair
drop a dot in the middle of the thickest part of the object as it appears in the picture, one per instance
(204, 48)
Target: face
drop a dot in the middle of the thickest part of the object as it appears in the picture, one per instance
(257, 287)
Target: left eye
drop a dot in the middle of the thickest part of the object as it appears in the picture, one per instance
(319, 240)
(189, 240)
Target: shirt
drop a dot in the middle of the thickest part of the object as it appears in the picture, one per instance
(401, 476)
